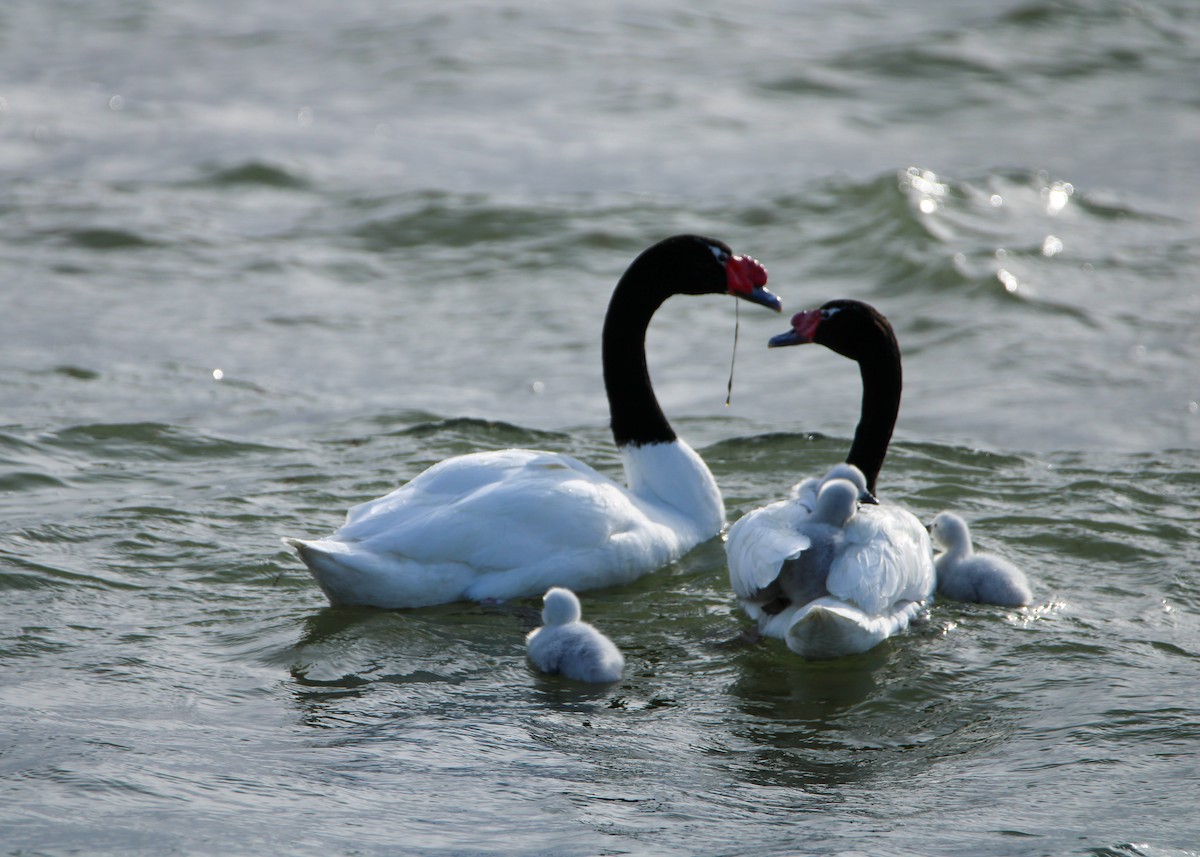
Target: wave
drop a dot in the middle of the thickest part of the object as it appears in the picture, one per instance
(254, 173)
(146, 440)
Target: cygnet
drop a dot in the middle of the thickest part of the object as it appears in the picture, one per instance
(806, 492)
(567, 646)
(802, 575)
(965, 575)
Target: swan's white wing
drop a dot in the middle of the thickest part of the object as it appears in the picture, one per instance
(494, 511)
(887, 560)
(759, 543)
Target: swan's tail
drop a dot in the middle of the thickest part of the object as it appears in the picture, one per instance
(350, 574)
(324, 565)
(342, 576)
(307, 552)
(831, 628)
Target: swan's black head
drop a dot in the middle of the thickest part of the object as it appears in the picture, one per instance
(694, 265)
(859, 331)
(851, 328)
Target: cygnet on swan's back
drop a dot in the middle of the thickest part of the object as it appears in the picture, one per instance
(806, 492)
(567, 646)
(818, 540)
(965, 575)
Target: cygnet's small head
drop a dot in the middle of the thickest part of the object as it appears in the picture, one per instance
(852, 474)
(949, 531)
(836, 502)
(560, 606)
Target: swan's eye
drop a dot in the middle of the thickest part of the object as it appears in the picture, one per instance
(722, 256)
(829, 312)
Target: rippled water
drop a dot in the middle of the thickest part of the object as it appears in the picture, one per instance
(256, 267)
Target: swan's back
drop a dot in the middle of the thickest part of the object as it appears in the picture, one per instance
(762, 540)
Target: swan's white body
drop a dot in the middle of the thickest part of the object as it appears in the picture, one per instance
(965, 575)
(511, 523)
(567, 646)
(879, 578)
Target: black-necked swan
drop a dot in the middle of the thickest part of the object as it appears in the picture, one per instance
(566, 645)
(882, 575)
(511, 523)
(965, 575)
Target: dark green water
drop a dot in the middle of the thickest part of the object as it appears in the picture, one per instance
(256, 267)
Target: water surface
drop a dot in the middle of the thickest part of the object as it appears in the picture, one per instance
(258, 267)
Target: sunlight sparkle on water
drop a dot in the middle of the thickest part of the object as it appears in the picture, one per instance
(1052, 245)
(1057, 196)
(218, 374)
(925, 184)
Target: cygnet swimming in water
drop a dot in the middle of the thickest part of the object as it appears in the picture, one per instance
(965, 575)
(567, 646)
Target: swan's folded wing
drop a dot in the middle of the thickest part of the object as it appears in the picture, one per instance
(757, 546)
(446, 482)
(494, 511)
(887, 559)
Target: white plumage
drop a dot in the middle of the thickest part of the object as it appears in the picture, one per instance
(567, 646)
(965, 575)
(510, 523)
(878, 575)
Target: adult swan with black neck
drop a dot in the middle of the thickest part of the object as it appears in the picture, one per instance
(511, 523)
(879, 575)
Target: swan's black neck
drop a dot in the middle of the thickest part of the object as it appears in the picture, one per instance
(637, 417)
(859, 331)
(681, 265)
(882, 381)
